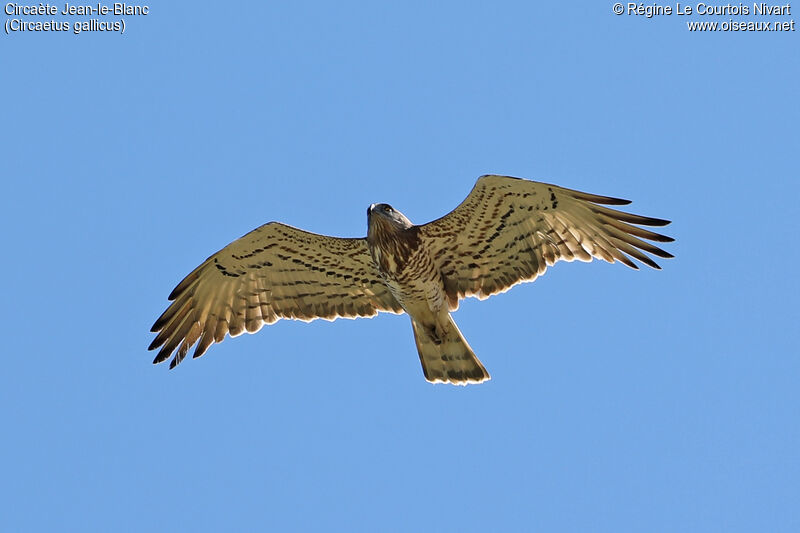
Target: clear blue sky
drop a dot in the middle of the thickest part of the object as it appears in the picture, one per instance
(620, 400)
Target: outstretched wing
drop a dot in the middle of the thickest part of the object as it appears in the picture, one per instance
(273, 272)
(509, 230)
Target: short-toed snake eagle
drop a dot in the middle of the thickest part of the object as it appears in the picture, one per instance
(508, 230)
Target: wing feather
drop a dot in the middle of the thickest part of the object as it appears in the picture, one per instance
(207, 339)
(275, 271)
(509, 230)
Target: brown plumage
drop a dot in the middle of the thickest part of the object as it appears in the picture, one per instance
(507, 231)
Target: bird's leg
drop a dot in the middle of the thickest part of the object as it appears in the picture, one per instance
(433, 333)
(439, 330)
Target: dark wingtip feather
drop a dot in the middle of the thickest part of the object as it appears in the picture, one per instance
(203, 345)
(161, 321)
(176, 291)
(177, 359)
(660, 238)
(655, 221)
(186, 282)
(655, 250)
(610, 200)
(180, 354)
(596, 198)
(649, 262)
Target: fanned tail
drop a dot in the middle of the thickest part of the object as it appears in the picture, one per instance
(450, 360)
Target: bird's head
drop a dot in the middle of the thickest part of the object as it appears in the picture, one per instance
(384, 220)
(386, 214)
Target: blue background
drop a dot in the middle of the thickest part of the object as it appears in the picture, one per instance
(620, 400)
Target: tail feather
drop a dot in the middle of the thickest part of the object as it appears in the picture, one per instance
(451, 360)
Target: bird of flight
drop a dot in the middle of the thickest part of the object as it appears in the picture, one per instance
(507, 231)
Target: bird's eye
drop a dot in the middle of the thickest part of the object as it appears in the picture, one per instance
(389, 209)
